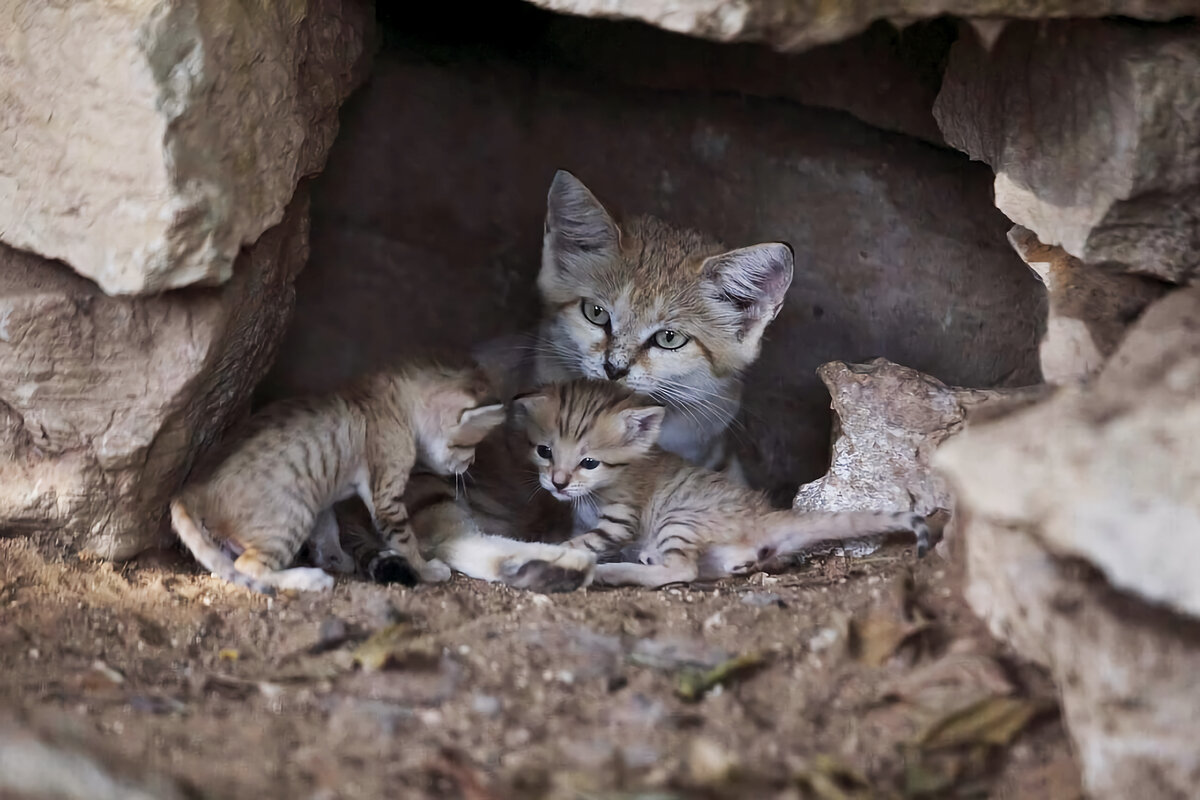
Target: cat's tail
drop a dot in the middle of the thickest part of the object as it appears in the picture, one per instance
(791, 532)
(205, 549)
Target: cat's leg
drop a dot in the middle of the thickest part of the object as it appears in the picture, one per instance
(392, 520)
(327, 552)
(372, 558)
(268, 558)
(676, 567)
(616, 526)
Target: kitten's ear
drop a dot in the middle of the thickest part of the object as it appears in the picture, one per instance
(642, 425)
(753, 281)
(577, 225)
(482, 417)
(527, 404)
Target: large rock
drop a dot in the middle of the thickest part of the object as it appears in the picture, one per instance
(899, 250)
(793, 25)
(1090, 127)
(1089, 308)
(105, 401)
(145, 143)
(1082, 528)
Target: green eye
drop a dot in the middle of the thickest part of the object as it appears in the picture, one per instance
(595, 314)
(670, 340)
(589, 463)
(543, 452)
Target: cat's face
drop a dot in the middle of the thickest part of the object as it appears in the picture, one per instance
(663, 311)
(580, 435)
(457, 413)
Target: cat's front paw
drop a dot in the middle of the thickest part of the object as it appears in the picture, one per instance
(435, 571)
(304, 579)
(568, 571)
(389, 566)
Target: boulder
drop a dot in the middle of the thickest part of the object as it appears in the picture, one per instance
(145, 143)
(1090, 129)
(1089, 308)
(791, 25)
(1082, 530)
(106, 401)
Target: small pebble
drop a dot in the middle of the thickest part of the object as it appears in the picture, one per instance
(485, 705)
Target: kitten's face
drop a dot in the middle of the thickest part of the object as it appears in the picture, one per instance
(457, 414)
(660, 310)
(581, 435)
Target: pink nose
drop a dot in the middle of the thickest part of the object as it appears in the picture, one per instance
(559, 481)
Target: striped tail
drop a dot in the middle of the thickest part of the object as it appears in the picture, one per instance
(210, 555)
(792, 532)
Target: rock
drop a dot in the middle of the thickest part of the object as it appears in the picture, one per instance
(789, 25)
(1082, 531)
(107, 401)
(888, 421)
(1089, 308)
(1090, 128)
(146, 144)
(900, 251)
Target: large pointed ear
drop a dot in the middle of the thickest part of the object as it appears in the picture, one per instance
(642, 425)
(483, 417)
(751, 281)
(528, 404)
(577, 225)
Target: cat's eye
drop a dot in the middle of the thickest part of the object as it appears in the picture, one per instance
(670, 340)
(595, 314)
(543, 451)
(589, 463)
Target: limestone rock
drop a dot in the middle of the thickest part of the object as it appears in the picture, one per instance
(145, 143)
(105, 401)
(1089, 310)
(1090, 129)
(791, 25)
(1082, 528)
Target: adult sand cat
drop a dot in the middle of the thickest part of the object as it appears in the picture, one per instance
(667, 312)
(276, 487)
(595, 442)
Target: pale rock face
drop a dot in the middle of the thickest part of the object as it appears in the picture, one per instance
(145, 143)
(105, 402)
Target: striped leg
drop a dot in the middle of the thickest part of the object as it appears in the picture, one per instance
(616, 527)
(676, 568)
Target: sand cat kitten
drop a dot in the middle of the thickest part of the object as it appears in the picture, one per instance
(277, 485)
(666, 312)
(596, 442)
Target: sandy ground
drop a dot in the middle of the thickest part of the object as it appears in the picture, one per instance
(860, 678)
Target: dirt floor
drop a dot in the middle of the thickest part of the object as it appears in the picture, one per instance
(847, 678)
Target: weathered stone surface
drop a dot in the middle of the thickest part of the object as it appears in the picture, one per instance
(1082, 529)
(144, 144)
(1090, 127)
(106, 400)
(792, 25)
(899, 251)
(1089, 308)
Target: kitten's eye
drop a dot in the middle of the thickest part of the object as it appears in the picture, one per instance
(589, 463)
(593, 313)
(670, 340)
(543, 451)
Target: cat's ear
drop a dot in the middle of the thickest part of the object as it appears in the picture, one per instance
(526, 405)
(752, 281)
(482, 417)
(642, 425)
(577, 225)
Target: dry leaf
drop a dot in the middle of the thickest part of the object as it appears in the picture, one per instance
(993, 720)
(396, 645)
(952, 682)
(693, 684)
(228, 654)
(877, 638)
(829, 779)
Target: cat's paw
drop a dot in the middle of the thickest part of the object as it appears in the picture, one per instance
(391, 567)
(569, 571)
(304, 579)
(435, 571)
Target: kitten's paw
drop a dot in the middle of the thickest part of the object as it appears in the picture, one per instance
(389, 566)
(435, 571)
(304, 579)
(566, 573)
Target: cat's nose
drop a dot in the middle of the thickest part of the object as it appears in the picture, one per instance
(560, 485)
(615, 373)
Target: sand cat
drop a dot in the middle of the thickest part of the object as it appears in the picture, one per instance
(595, 442)
(275, 488)
(667, 312)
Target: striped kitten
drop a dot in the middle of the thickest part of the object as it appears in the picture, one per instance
(597, 443)
(277, 484)
(666, 312)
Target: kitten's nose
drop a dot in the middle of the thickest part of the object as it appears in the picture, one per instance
(560, 485)
(615, 373)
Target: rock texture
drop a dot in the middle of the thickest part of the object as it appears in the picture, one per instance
(145, 143)
(899, 250)
(1089, 308)
(1082, 527)
(1090, 127)
(792, 25)
(105, 401)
